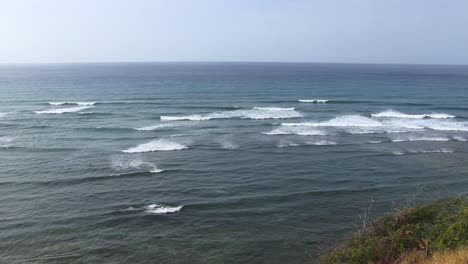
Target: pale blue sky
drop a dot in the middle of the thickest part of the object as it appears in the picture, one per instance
(364, 31)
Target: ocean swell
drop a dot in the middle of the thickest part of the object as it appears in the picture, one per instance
(254, 113)
(63, 110)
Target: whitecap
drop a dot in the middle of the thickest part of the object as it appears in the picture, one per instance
(156, 145)
(356, 124)
(423, 151)
(445, 125)
(227, 144)
(444, 150)
(459, 138)
(420, 138)
(161, 209)
(313, 100)
(322, 143)
(396, 114)
(285, 143)
(301, 131)
(341, 121)
(5, 141)
(123, 163)
(275, 108)
(155, 127)
(254, 113)
(3, 114)
(73, 103)
(63, 110)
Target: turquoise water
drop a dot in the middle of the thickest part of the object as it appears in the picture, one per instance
(218, 163)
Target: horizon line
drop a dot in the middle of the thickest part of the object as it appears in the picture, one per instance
(226, 62)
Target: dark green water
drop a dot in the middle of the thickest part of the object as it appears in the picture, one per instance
(217, 163)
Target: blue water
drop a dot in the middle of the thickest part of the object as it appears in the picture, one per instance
(218, 163)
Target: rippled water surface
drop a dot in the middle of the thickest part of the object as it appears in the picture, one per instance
(217, 163)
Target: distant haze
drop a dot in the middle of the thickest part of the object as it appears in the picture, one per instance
(362, 31)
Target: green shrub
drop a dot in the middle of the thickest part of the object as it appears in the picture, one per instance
(440, 225)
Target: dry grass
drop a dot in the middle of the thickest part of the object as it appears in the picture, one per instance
(457, 256)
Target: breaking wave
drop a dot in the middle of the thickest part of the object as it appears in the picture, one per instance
(123, 164)
(322, 143)
(63, 110)
(459, 138)
(158, 126)
(421, 138)
(73, 103)
(396, 114)
(301, 131)
(423, 151)
(356, 124)
(254, 113)
(156, 145)
(161, 209)
(275, 108)
(313, 101)
(287, 143)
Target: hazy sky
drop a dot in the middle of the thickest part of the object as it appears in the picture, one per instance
(392, 31)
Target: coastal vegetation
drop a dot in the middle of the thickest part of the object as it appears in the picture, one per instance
(436, 232)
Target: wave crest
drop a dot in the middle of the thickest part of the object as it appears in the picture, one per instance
(161, 209)
(301, 131)
(318, 101)
(73, 103)
(396, 114)
(63, 110)
(356, 124)
(123, 164)
(156, 145)
(254, 113)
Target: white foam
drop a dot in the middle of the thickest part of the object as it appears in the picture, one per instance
(161, 209)
(313, 101)
(420, 138)
(396, 114)
(73, 103)
(356, 124)
(445, 125)
(423, 151)
(341, 121)
(459, 138)
(154, 127)
(322, 143)
(63, 110)
(287, 143)
(226, 144)
(254, 113)
(3, 114)
(5, 141)
(275, 108)
(301, 131)
(444, 150)
(123, 163)
(156, 145)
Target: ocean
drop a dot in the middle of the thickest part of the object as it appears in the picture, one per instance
(218, 162)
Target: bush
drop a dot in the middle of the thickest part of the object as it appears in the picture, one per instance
(437, 226)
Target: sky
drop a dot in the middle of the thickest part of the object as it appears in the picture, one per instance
(350, 31)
